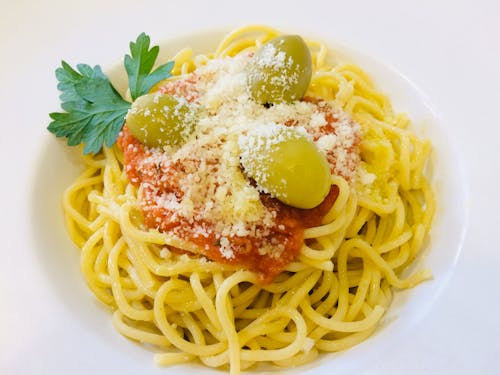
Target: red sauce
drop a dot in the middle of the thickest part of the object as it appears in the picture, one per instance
(289, 223)
(288, 227)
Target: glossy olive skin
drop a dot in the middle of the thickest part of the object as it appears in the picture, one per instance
(159, 120)
(280, 70)
(287, 165)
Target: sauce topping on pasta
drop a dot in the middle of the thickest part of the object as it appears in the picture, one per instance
(199, 191)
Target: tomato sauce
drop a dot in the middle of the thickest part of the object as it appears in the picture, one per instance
(254, 252)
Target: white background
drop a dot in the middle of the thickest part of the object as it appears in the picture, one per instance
(449, 49)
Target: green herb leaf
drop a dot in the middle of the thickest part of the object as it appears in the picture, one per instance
(140, 64)
(95, 111)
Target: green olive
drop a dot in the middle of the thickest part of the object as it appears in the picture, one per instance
(159, 120)
(280, 70)
(286, 164)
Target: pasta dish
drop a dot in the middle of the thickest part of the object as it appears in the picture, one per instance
(260, 205)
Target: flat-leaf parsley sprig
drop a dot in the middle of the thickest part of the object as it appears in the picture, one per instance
(94, 110)
(140, 64)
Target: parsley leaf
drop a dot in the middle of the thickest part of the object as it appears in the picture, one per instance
(140, 64)
(94, 110)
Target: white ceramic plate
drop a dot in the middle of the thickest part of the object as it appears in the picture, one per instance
(51, 324)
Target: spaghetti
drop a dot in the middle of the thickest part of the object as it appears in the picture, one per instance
(328, 298)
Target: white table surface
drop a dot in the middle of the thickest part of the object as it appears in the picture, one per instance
(449, 49)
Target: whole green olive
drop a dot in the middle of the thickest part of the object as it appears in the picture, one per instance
(159, 120)
(280, 70)
(286, 164)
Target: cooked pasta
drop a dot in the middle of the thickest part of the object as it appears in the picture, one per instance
(331, 296)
